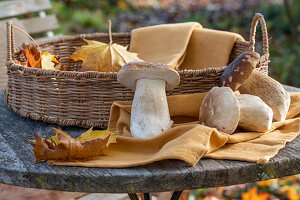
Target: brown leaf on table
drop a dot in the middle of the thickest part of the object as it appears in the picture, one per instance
(64, 147)
(102, 57)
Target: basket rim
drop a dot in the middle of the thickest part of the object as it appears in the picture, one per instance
(94, 74)
(83, 36)
(100, 34)
(11, 65)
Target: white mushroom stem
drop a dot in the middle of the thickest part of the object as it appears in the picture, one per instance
(149, 113)
(255, 115)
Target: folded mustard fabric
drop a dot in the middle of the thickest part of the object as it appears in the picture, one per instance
(209, 48)
(183, 45)
(164, 43)
(190, 141)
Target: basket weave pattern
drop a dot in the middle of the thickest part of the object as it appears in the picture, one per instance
(72, 98)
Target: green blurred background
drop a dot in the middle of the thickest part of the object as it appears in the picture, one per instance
(282, 17)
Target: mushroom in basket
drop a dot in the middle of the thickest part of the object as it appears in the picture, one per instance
(149, 113)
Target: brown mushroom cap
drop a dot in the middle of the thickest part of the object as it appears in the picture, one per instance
(133, 71)
(219, 109)
(237, 72)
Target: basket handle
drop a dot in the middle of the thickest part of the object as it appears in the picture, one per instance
(10, 41)
(259, 17)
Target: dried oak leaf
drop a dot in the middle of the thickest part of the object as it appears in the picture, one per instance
(64, 147)
(102, 57)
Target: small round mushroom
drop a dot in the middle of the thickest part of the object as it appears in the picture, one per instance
(237, 72)
(149, 113)
(219, 109)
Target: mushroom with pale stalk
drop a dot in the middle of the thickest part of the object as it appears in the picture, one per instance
(149, 112)
(223, 110)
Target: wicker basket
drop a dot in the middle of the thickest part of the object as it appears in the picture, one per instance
(71, 98)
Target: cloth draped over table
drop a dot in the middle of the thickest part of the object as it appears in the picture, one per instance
(190, 141)
(183, 45)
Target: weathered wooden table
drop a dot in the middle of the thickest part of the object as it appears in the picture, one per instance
(17, 166)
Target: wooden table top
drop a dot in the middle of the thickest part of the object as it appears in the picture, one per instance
(17, 166)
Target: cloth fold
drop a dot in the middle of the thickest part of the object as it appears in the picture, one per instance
(190, 141)
(165, 43)
(209, 48)
(183, 45)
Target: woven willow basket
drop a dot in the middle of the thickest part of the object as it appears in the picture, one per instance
(71, 98)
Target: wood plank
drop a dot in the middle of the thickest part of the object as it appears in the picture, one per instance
(9, 158)
(40, 24)
(20, 7)
(19, 39)
(160, 176)
(43, 175)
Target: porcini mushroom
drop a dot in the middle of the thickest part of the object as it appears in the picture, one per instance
(222, 110)
(255, 115)
(149, 112)
(239, 70)
(270, 91)
(219, 109)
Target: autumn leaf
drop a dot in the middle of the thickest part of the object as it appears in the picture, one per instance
(50, 61)
(97, 134)
(290, 191)
(102, 57)
(252, 195)
(32, 55)
(36, 60)
(64, 147)
(267, 183)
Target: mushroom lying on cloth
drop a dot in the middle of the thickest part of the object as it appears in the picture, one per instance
(222, 110)
(239, 70)
(149, 112)
(270, 91)
(219, 109)
(255, 115)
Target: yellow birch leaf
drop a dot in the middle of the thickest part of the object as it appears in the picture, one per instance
(97, 134)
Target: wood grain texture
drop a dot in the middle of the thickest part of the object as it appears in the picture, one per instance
(15, 8)
(19, 39)
(17, 166)
(40, 24)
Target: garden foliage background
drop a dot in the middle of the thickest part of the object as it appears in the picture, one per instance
(282, 16)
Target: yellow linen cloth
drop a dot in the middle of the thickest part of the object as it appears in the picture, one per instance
(190, 141)
(165, 43)
(209, 48)
(183, 45)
